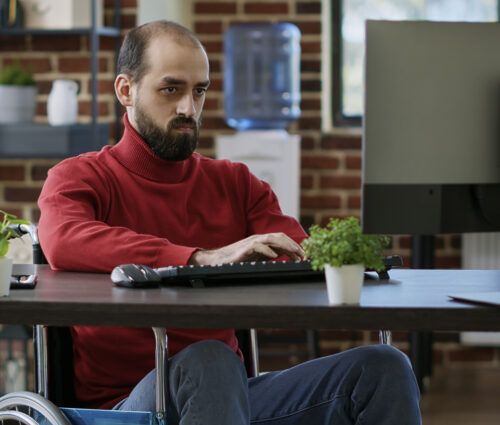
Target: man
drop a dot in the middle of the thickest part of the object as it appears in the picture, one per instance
(151, 200)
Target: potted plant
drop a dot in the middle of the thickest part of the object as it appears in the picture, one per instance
(17, 95)
(344, 252)
(7, 232)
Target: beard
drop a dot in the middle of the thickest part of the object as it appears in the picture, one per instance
(168, 144)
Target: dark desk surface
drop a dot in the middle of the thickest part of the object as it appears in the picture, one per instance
(411, 300)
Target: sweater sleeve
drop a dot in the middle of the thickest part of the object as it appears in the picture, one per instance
(264, 214)
(74, 238)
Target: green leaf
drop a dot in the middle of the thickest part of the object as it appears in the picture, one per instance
(7, 232)
(343, 242)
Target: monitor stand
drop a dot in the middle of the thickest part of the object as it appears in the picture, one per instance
(423, 254)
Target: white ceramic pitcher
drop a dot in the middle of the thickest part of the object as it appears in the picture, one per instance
(62, 106)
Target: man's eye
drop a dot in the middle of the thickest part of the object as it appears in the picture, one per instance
(170, 90)
(200, 91)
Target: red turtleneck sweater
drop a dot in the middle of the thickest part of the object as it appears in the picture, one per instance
(125, 205)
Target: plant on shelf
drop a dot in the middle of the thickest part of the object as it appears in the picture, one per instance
(7, 232)
(343, 251)
(17, 94)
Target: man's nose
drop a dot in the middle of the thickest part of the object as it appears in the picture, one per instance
(186, 106)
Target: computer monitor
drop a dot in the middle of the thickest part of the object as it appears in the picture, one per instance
(431, 137)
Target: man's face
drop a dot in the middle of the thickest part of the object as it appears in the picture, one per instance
(168, 100)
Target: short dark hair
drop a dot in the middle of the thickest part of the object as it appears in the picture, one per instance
(131, 59)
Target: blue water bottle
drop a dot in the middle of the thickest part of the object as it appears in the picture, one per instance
(262, 75)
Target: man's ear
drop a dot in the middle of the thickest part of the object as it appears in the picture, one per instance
(123, 89)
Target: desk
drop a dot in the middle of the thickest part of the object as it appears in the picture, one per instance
(411, 300)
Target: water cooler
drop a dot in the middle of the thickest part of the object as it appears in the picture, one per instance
(261, 98)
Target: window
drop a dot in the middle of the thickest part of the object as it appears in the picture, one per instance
(348, 19)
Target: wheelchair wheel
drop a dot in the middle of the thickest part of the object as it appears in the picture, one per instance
(28, 408)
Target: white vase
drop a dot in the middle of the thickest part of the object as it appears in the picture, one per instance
(5, 273)
(344, 283)
(62, 105)
(17, 104)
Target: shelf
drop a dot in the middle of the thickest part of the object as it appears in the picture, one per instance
(31, 140)
(104, 31)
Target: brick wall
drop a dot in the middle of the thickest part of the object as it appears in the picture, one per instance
(331, 163)
(50, 58)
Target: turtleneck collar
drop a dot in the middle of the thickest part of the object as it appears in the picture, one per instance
(134, 154)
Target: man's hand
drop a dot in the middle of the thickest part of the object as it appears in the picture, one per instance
(253, 248)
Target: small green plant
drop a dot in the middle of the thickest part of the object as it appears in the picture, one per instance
(342, 242)
(15, 75)
(7, 232)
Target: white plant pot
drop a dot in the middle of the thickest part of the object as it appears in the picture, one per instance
(17, 104)
(5, 273)
(344, 283)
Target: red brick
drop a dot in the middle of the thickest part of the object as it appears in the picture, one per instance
(354, 202)
(266, 8)
(12, 44)
(55, 43)
(84, 108)
(105, 43)
(79, 64)
(211, 104)
(103, 86)
(340, 182)
(304, 8)
(306, 181)
(310, 85)
(216, 8)
(448, 262)
(310, 104)
(353, 162)
(320, 201)
(215, 65)
(208, 27)
(214, 123)
(320, 162)
(309, 27)
(214, 46)
(128, 20)
(310, 66)
(41, 108)
(310, 46)
(475, 354)
(404, 242)
(307, 143)
(310, 123)
(334, 335)
(206, 142)
(22, 194)
(340, 142)
(11, 172)
(446, 337)
(39, 172)
(44, 87)
(215, 84)
(35, 65)
(437, 357)
(456, 241)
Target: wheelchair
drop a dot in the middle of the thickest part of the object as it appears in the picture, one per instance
(54, 376)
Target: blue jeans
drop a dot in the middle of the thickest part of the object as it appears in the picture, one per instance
(372, 385)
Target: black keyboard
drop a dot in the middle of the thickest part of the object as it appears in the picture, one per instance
(255, 271)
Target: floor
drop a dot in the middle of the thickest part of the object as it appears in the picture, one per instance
(463, 396)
